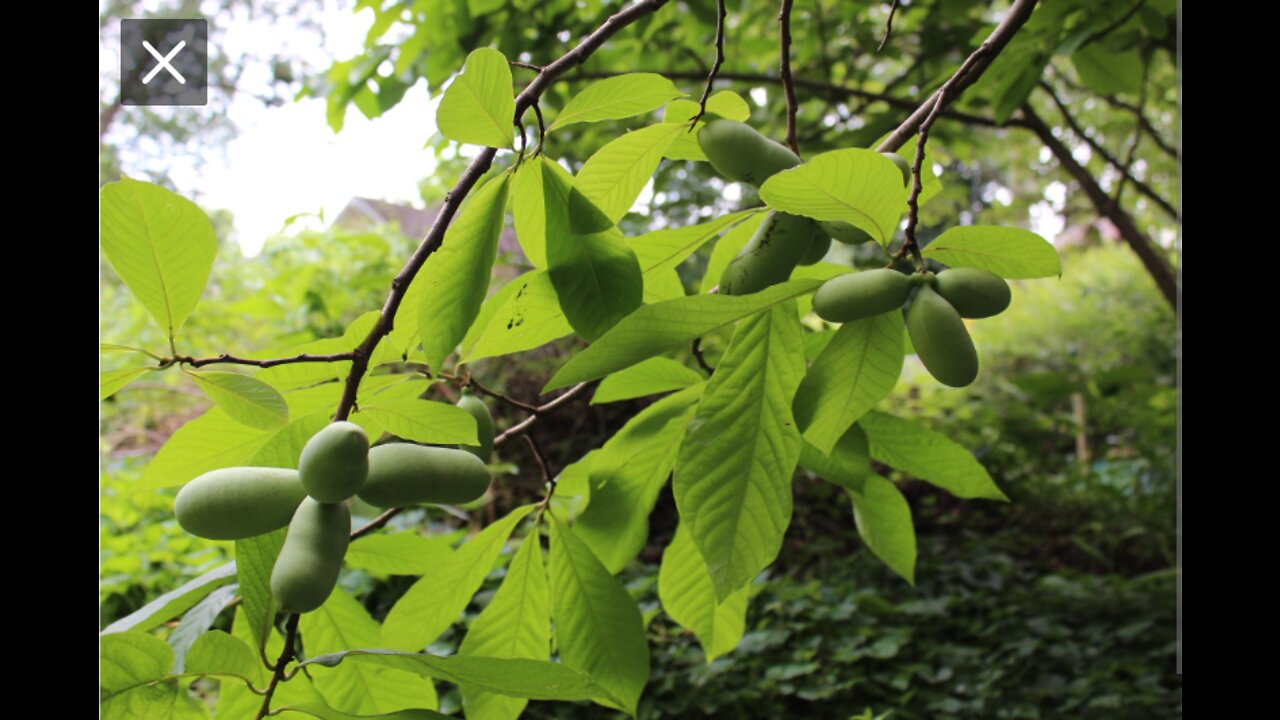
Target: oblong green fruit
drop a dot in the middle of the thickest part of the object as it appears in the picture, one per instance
(861, 295)
(307, 568)
(847, 233)
(974, 293)
(238, 502)
(769, 256)
(403, 474)
(484, 427)
(819, 244)
(941, 340)
(740, 153)
(335, 462)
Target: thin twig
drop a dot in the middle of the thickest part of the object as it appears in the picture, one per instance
(888, 27)
(525, 65)
(469, 380)
(784, 71)
(715, 68)
(1113, 26)
(702, 360)
(1147, 126)
(523, 426)
(544, 467)
(290, 635)
(228, 359)
(1132, 153)
(376, 523)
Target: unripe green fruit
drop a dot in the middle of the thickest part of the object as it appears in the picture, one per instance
(740, 153)
(403, 474)
(307, 568)
(941, 339)
(335, 462)
(924, 278)
(818, 247)
(846, 233)
(769, 257)
(974, 293)
(484, 427)
(861, 295)
(238, 502)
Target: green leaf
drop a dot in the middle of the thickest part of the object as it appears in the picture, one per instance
(247, 400)
(733, 476)
(167, 700)
(528, 209)
(174, 602)
(613, 177)
(856, 371)
(236, 700)
(218, 653)
(727, 248)
(666, 249)
(725, 104)
(484, 7)
(424, 421)
(626, 476)
(340, 624)
(533, 679)
(160, 244)
(255, 558)
(658, 328)
(455, 279)
(478, 107)
(930, 456)
(112, 381)
(516, 624)
(884, 522)
(598, 626)
(688, 596)
(1011, 253)
(1107, 71)
(523, 315)
(403, 553)
(848, 463)
(317, 709)
(283, 447)
(652, 376)
(618, 97)
(206, 443)
(436, 600)
(297, 375)
(132, 658)
(195, 622)
(854, 185)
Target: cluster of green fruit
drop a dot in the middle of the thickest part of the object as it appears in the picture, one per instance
(738, 152)
(336, 464)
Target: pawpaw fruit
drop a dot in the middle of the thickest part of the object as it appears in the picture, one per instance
(238, 502)
(769, 256)
(404, 474)
(940, 338)
(307, 568)
(861, 295)
(974, 293)
(818, 247)
(335, 462)
(738, 152)
(847, 233)
(484, 427)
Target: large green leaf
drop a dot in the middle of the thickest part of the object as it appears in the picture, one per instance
(403, 553)
(455, 279)
(854, 185)
(319, 710)
(848, 463)
(246, 399)
(436, 600)
(111, 382)
(928, 455)
(196, 621)
(613, 177)
(206, 443)
(621, 96)
(132, 658)
(528, 209)
(652, 376)
(884, 522)
(175, 602)
(854, 372)
(516, 624)
(655, 329)
(733, 475)
(424, 421)
(255, 558)
(218, 653)
(688, 596)
(343, 624)
(1107, 71)
(599, 630)
(626, 476)
(478, 107)
(160, 244)
(665, 249)
(523, 315)
(1011, 253)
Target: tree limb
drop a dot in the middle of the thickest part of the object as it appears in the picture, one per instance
(715, 68)
(784, 72)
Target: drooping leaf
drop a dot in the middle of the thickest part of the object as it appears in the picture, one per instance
(436, 600)
(111, 382)
(652, 376)
(478, 107)
(218, 653)
(884, 522)
(621, 96)
(688, 596)
(613, 177)
(516, 624)
(928, 455)
(160, 244)
(246, 399)
(196, 621)
(528, 209)
(854, 185)
(255, 558)
(599, 631)
(655, 329)
(733, 475)
(848, 463)
(856, 370)
(175, 602)
(402, 553)
(131, 658)
(1011, 253)
(424, 421)
(525, 314)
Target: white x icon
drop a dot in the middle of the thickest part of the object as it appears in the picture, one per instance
(164, 62)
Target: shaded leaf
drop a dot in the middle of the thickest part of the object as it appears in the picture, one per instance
(423, 421)
(175, 602)
(928, 455)
(688, 596)
(403, 553)
(649, 377)
(245, 399)
(884, 522)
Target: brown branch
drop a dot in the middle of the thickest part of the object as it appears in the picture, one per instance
(715, 68)
(1113, 26)
(1147, 126)
(696, 349)
(525, 65)
(539, 457)
(1132, 153)
(888, 27)
(1151, 254)
(290, 635)
(523, 426)
(469, 380)
(435, 236)
(784, 72)
(376, 523)
(225, 358)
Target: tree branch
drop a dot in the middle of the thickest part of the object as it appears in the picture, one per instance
(290, 635)
(524, 425)
(784, 71)
(888, 27)
(715, 68)
(225, 358)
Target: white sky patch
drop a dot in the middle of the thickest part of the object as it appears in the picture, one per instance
(760, 96)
